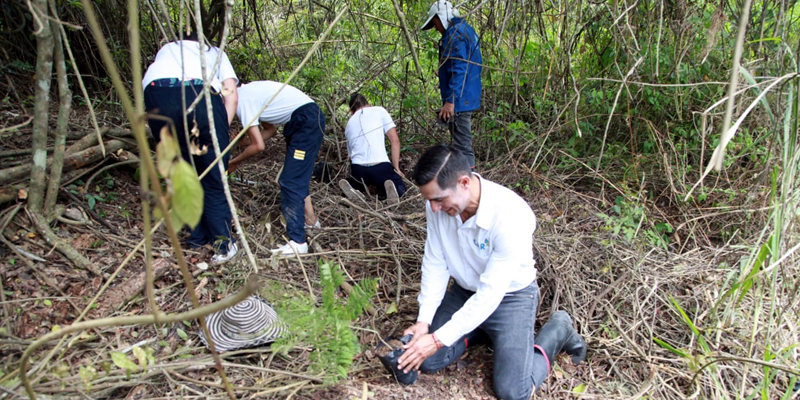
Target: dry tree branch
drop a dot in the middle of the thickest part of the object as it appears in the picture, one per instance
(664, 85)
(622, 85)
(36, 18)
(779, 367)
(503, 26)
(407, 36)
(64, 110)
(144, 175)
(15, 127)
(727, 134)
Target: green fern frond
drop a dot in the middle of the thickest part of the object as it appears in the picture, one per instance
(328, 328)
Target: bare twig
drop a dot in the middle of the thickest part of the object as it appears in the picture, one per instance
(407, 35)
(716, 161)
(14, 128)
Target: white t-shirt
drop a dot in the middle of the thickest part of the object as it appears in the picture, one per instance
(491, 254)
(168, 64)
(364, 132)
(254, 95)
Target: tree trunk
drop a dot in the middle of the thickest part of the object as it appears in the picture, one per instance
(64, 108)
(44, 71)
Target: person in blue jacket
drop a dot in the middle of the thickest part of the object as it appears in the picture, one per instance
(459, 73)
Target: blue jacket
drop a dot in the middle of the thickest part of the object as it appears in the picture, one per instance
(459, 79)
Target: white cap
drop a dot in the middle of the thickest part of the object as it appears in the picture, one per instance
(445, 10)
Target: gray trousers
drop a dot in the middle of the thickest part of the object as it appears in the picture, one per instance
(518, 368)
(460, 126)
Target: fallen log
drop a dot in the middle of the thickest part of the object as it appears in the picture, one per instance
(10, 193)
(72, 161)
(123, 292)
(85, 142)
(118, 132)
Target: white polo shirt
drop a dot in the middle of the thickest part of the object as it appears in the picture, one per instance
(365, 135)
(491, 254)
(254, 95)
(168, 64)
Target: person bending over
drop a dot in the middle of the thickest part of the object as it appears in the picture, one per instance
(174, 78)
(303, 126)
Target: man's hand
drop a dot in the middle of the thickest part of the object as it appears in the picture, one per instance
(399, 172)
(448, 109)
(421, 346)
(417, 330)
(416, 352)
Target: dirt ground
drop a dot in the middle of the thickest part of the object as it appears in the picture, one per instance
(598, 284)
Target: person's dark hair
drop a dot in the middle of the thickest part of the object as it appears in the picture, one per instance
(357, 100)
(443, 163)
(191, 36)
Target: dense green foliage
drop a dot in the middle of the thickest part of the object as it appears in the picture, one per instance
(552, 78)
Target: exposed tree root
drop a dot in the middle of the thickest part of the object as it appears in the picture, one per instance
(77, 259)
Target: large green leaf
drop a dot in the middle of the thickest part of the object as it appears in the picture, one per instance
(187, 201)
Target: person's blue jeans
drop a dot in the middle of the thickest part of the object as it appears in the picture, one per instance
(517, 367)
(215, 224)
(303, 135)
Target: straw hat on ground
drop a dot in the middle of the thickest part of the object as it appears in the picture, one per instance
(252, 322)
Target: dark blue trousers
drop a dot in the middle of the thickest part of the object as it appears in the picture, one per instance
(215, 224)
(303, 135)
(376, 175)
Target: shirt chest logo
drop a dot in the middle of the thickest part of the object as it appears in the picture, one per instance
(481, 246)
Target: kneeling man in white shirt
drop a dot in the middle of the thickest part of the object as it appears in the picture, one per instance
(481, 235)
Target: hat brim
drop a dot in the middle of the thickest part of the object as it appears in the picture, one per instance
(271, 330)
(428, 24)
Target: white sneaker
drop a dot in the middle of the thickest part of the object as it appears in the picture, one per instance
(316, 225)
(289, 249)
(223, 258)
(391, 193)
(350, 193)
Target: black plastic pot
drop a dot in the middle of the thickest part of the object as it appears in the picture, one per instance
(390, 362)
